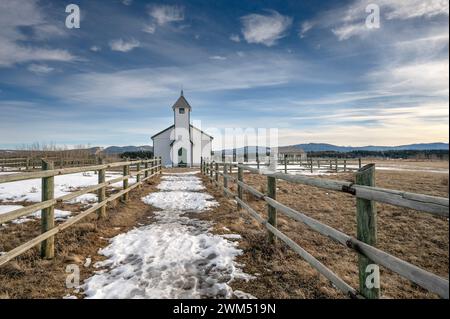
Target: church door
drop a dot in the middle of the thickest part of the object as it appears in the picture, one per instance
(182, 157)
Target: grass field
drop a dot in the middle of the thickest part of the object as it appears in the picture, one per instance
(418, 238)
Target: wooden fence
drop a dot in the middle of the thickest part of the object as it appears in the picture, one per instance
(144, 170)
(307, 164)
(310, 164)
(366, 194)
(33, 163)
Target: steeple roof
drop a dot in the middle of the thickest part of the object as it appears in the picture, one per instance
(181, 102)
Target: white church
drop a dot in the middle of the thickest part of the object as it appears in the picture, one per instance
(182, 144)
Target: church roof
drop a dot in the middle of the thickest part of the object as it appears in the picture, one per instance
(172, 126)
(181, 102)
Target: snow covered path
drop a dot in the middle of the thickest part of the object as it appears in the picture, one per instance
(174, 257)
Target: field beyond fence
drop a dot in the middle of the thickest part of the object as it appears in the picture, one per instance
(141, 169)
(366, 194)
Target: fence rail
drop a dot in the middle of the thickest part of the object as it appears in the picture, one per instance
(151, 168)
(366, 194)
(34, 163)
(289, 163)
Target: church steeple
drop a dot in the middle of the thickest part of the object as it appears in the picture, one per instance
(182, 102)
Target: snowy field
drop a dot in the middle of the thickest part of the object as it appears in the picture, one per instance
(297, 170)
(174, 257)
(30, 191)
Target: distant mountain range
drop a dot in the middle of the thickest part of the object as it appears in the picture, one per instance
(309, 147)
(321, 147)
(122, 149)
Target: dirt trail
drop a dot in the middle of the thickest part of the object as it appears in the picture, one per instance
(176, 256)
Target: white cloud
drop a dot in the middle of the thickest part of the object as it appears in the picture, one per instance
(164, 14)
(345, 32)
(127, 2)
(218, 57)
(349, 21)
(95, 48)
(235, 38)
(427, 78)
(11, 53)
(408, 9)
(149, 28)
(304, 28)
(124, 46)
(231, 74)
(16, 14)
(265, 29)
(40, 68)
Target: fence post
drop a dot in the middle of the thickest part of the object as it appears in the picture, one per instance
(126, 171)
(311, 169)
(217, 173)
(359, 162)
(27, 164)
(257, 155)
(211, 171)
(48, 214)
(225, 179)
(152, 165)
(146, 169)
(366, 219)
(345, 165)
(201, 165)
(285, 163)
(138, 174)
(102, 191)
(337, 164)
(272, 212)
(160, 165)
(240, 179)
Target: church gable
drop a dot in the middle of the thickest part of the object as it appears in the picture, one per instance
(181, 102)
(182, 144)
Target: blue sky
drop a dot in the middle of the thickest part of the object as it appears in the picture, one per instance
(312, 69)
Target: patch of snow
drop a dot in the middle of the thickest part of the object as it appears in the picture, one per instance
(168, 260)
(175, 257)
(182, 185)
(177, 200)
(30, 190)
(87, 262)
(231, 236)
(59, 214)
(420, 170)
(183, 173)
(243, 295)
(8, 208)
(69, 296)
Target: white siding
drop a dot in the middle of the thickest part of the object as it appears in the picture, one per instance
(182, 135)
(161, 147)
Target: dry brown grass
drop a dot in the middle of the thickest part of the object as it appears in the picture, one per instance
(28, 276)
(418, 238)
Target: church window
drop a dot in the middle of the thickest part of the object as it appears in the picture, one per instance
(181, 110)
